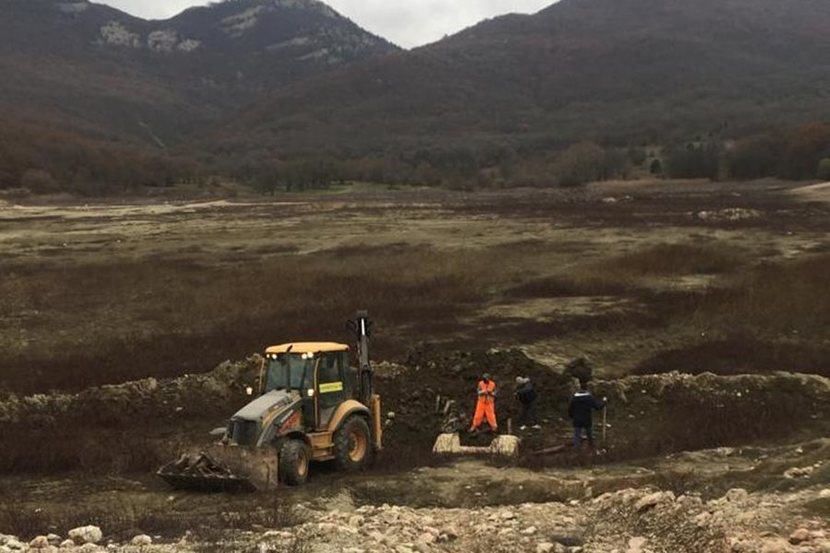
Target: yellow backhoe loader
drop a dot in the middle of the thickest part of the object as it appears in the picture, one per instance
(312, 406)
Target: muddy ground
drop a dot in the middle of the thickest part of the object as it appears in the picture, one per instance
(633, 274)
(725, 283)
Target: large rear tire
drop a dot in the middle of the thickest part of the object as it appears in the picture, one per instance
(353, 444)
(294, 460)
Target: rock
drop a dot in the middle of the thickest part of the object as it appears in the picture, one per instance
(702, 520)
(86, 534)
(53, 539)
(67, 543)
(529, 531)
(799, 536)
(356, 521)
(825, 493)
(544, 547)
(14, 544)
(142, 540)
(89, 548)
(635, 545)
(652, 500)
(40, 542)
(776, 545)
(798, 472)
(736, 494)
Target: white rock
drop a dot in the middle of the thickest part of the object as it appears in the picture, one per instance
(651, 500)
(544, 547)
(67, 543)
(736, 494)
(635, 545)
(824, 493)
(798, 472)
(799, 536)
(529, 531)
(14, 544)
(427, 537)
(40, 542)
(86, 534)
(776, 545)
(141, 540)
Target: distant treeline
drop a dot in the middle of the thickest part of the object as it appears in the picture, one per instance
(40, 161)
(795, 154)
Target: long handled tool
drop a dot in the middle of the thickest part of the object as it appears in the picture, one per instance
(604, 424)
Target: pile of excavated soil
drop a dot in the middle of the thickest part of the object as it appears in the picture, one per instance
(434, 390)
(646, 415)
(183, 397)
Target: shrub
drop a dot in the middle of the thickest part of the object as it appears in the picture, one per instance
(755, 157)
(824, 169)
(38, 181)
(587, 162)
(806, 147)
(694, 161)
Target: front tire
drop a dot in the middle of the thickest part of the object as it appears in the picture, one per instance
(353, 444)
(294, 460)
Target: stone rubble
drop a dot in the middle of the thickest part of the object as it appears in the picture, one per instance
(624, 521)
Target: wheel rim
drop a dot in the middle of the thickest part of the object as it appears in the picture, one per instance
(358, 444)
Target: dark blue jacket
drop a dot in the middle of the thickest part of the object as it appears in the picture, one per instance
(581, 408)
(526, 393)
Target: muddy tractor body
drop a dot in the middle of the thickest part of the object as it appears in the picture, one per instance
(312, 405)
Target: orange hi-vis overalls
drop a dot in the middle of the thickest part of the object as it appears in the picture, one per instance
(486, 405)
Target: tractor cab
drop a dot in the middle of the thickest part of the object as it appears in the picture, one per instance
(316, 372)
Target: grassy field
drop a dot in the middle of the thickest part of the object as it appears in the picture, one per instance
(629, 274)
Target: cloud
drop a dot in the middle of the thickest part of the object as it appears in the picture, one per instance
(416, 22)
(405, 22)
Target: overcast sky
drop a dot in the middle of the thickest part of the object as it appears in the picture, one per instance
(407, 23)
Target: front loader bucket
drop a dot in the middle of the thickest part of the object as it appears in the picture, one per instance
(223, 469)
(450, 444)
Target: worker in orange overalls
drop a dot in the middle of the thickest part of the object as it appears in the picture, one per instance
(486, 405)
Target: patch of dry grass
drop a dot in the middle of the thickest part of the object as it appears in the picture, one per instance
(678, 259)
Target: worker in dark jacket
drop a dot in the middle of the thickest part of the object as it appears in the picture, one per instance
(526, 394)
(580, 410)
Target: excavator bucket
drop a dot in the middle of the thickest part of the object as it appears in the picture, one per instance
(223, 469)
(450, 444)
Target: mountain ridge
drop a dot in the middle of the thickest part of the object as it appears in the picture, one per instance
(621, 70)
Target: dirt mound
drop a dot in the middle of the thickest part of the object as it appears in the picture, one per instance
(121, 429)
(419, 391)
(189, 394)
(647, 415)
